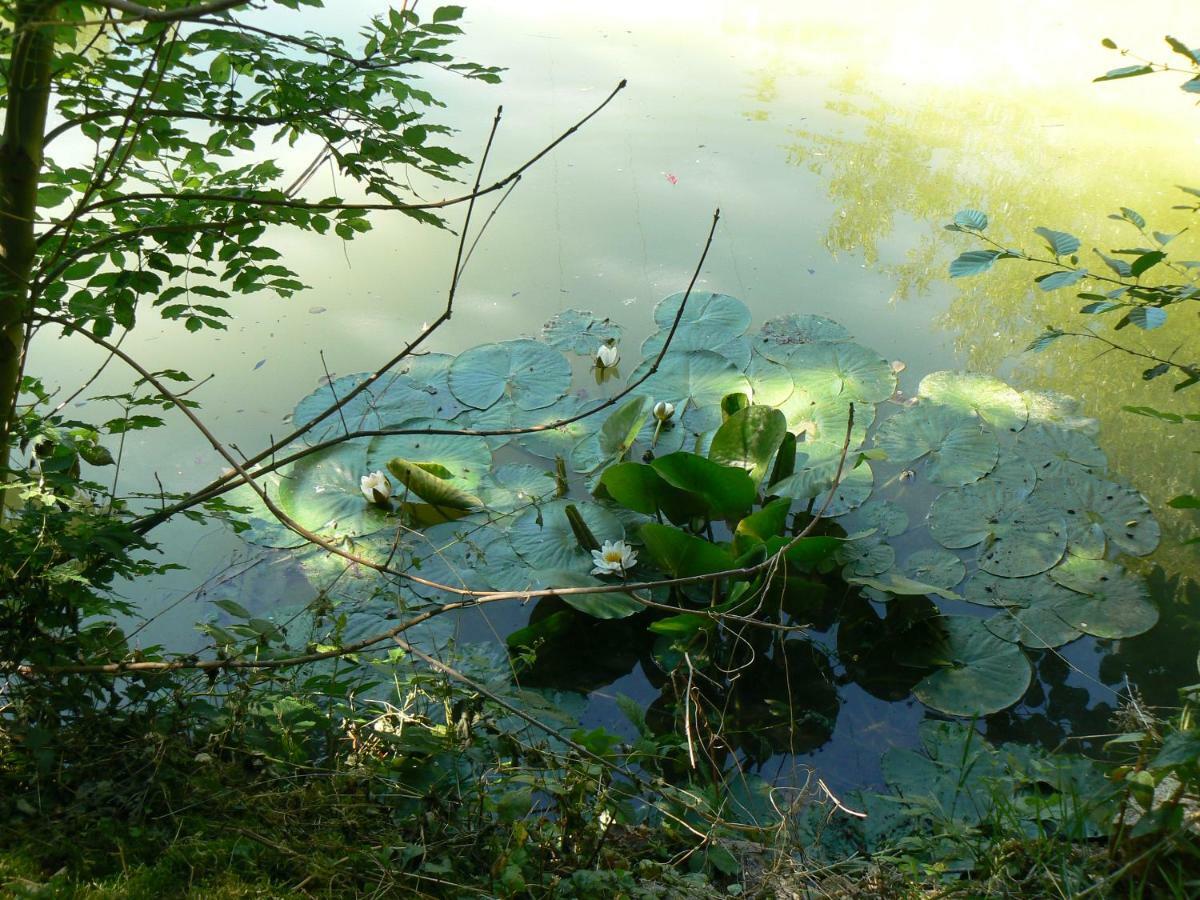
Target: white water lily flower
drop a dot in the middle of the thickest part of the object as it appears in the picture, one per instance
(613, 558)
(663, 410)
(376, 487)
(607, 356)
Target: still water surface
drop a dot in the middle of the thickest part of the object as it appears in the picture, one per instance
(835, 150)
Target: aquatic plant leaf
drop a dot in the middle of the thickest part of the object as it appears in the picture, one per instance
(621, 428)
(813, 479)
(712, 317)
(516, 485)
(608, 605)
(980, 395)
(323, 493)
(771, 382)
(736, 349)
(549, 443)
(681, 554)
(437, 492)
(956, 772)
(955, 450)
(467, 458)
(895, 583)
(934, 566)
(1039, 590)
(1057, 452)
(530, 373)
(579, 331)
(544, 539)
(358, 412)
(697, 380)
(886, 517)
(1050, 408)
(729, 492)
(1099, 513)
(1016, 536)
(1014, 476)
(823, 423)
(264, 530)
(748, 440)
(1036, 627)
(761, 525)
(782, 332)
(976, 672)
(846, 370)
(868, 556)
(1107, 601)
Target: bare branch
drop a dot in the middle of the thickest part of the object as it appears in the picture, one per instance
(150, 14)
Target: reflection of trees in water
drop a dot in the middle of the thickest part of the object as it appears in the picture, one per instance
(896, 175)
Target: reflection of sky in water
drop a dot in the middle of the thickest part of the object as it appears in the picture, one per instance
(834, 151)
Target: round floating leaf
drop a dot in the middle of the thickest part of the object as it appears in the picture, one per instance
(783, 332)
(419, 387)
(697, 380)
(1035, 590)
(1049, 408)
(579, 331)
(544, 539)
(885, 516)
(1099, 513)
(955, 450)
(357, 413)
(712, 317)
(466, 554)
(516, 486)
(608, 605)
(1107, 601)
(977, 673)
(1014, 476)
(771, 382)
(849, 371)
(1036, 627)
(934, 566)
(736, 349)
(323, 493)
(868, 556)
(1056, 452)
(981, 395)
(466, 458)
(1016, 536)
(813, 479)
(264, 529)
(823, 425)
(748, 439)
(531, 374)
(553, 442)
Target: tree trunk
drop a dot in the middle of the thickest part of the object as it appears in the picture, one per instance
(20, 169)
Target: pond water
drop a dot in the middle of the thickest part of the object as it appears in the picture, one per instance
(835, 151)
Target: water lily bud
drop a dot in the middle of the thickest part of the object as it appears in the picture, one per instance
(663, 410)
(376, 487)
(607, 356)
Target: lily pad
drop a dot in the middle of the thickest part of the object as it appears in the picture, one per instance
(544, 539)
(813, 479)
(976, 673)
(579, 331)
(824, 422)
(1050, 408)
(420, 386)
(736, 349)
(530, 373)
(955, 450)
(1016, 536)
(934, 566)
(467, 458)
(771, 382)
(845, 370)
(1107, 601)
(1034, 590)
(1055, 452)
(712, 317)
(608, 605)
(988, 398)
(357, 413)
(265, 529)
(516, 486)
(869, 556)
(322, 492)
(885, 516)
(783, 332)
(698, 379)
(1036, 627)
(956, 771)
(1099, 514)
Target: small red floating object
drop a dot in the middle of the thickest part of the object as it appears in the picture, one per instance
(671, 178)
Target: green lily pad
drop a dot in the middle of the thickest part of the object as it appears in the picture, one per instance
(1016, 536)
(1055, 452)
(712, 317)
(748, 439)
(955, 450)
(982, 396)
(736, 349)
(823, 425)
(846, 370)
(885, 516)
(358, 413)
(868, 556)
(1050, 408)
(420, 386)
(579, 331)
(1015, 477)
(956, 771)
(1039, 590)
(813, 479)
(467, 458)
(772, 383)
(544, 539)
(608, 605)
(698, 380)
(1099, 514)
(553, 442)
(323, 493)
(1036, 627)
(265, 529)
(515, 486)
(783, 332)
(530, 373)
(1107, 601)
(976, 673)
(934, 566)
